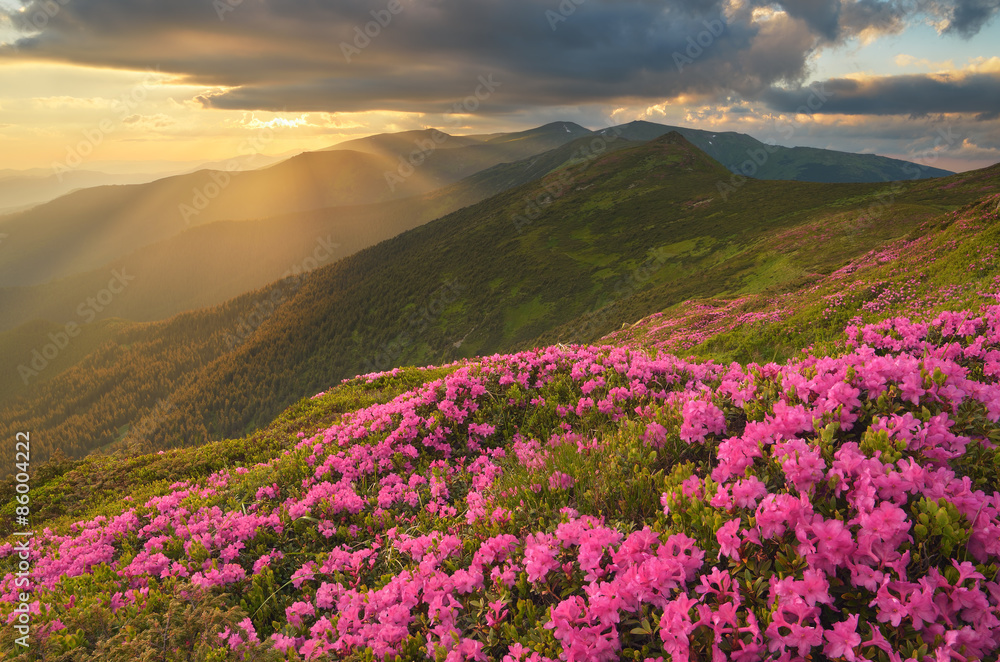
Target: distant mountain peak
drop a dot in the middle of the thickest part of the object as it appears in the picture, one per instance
(744, 154)
(562, 124)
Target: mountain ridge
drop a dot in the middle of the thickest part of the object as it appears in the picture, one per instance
(745, 155)
(629, 231)
(192, 268)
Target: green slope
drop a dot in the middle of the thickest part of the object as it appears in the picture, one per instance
(947, 261)
(606, 241)
(529, 469)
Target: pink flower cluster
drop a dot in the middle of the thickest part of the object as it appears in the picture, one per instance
(800, 461)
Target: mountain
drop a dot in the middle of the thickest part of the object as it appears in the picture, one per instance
(21, 191)
(448, 158)
(404, 142)
(211, 263)
(241, 162)
(18, 348)
(607, 240)
(575, 153)
(746, 155)
(87, 229)
(520, 143)
(552, 134)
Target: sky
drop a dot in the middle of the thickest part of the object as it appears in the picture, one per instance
(86, 82)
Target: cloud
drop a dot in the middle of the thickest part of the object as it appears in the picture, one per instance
(277, 123)
(908, 61)
(869, 18)
(157, 122)
(915, 95)
(952, 141)
(315, 55)
(822, 16)
(969, 16)
(73, 103)
(423, 56)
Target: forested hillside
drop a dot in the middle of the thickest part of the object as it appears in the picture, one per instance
(571, 257)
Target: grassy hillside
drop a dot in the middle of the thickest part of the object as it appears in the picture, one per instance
(576, 503)
(756, 275)
(18, 347)
(570, 257)
(950, 261)
(564, 503)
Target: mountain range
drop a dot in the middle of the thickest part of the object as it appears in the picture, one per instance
(347, 197)
(563, 247)
(21, 190)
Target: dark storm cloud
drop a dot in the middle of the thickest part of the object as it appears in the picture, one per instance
(290, 54)
(893, 95)
(883, 16)
(969, 16)
(823, 16)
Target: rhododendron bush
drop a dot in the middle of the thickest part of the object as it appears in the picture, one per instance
(584, 503)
